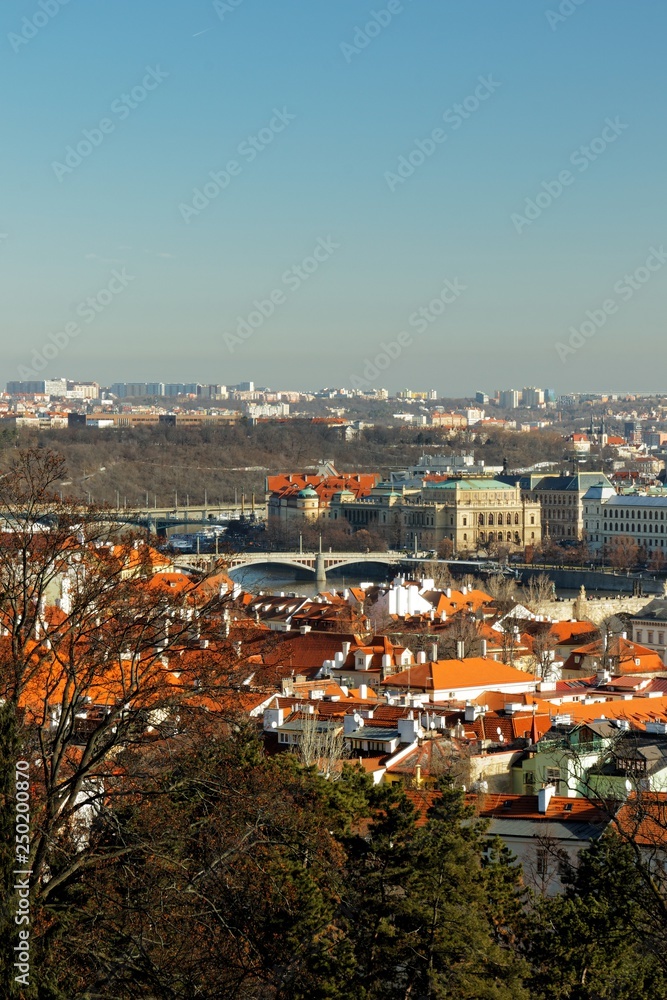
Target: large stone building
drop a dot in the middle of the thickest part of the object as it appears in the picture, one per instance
(303, 496)
(561, 500)
(609, 516)
(471, 513)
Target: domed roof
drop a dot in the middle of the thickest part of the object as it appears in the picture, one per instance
(308, 493)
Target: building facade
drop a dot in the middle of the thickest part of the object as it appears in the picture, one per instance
(561, 500)
(609, 517)
(471, 513)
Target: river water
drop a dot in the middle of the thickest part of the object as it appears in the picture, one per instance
(279, 579)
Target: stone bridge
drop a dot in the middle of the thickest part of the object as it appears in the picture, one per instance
(319, 563)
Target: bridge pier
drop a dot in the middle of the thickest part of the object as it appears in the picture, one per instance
(320, 571)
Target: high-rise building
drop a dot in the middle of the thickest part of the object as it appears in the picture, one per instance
(55, 386)
(533, 397)
(35, 388)
(509, 399)
(632, 431)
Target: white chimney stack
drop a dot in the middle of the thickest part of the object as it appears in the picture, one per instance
(544, 797)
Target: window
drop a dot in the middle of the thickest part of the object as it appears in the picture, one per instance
(650, 637)
(542, 861)
(529, 777)
(491, 519)
(481, 519)
(639, 635)
(552, 776)
(516, 518)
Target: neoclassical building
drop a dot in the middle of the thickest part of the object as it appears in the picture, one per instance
(471, 512)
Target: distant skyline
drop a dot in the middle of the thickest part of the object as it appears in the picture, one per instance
(252, 190)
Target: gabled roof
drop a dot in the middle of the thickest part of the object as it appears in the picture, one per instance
(433, 757)
(621, 652)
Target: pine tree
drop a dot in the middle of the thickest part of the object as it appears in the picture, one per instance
(595, 942)
(425, 925)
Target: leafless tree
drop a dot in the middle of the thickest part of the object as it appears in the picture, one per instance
(321, 745)
(539, 593)
(95, 656)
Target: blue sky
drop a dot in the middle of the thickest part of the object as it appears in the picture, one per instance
(327, 175)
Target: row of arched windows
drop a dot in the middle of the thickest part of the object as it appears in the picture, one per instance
(499, 536)
(499, 519)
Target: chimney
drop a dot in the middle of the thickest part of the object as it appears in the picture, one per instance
(448, 592)
(273, 717)
(544, 797)
(418, 776)
(346, 650)
(434, 651)
(408, 729)
(460, 650)
(482, 647)
(421, 656)
(350, 724)
(363, 691)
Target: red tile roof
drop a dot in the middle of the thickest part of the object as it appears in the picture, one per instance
(476, 671)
